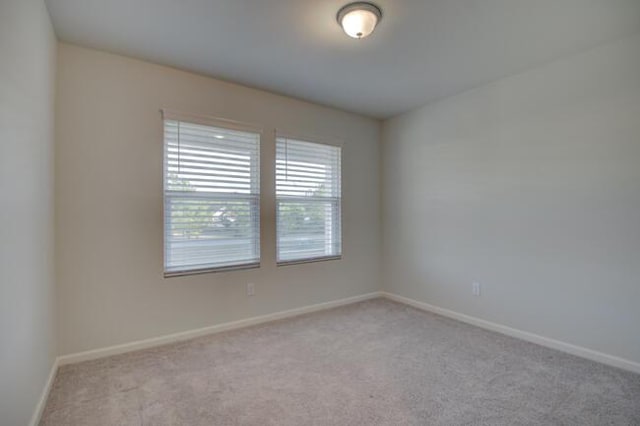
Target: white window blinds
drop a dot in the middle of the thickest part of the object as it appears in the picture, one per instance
(308, 200)
(211, 197)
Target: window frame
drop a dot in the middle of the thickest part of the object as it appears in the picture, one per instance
(337, 214)
(173, 115)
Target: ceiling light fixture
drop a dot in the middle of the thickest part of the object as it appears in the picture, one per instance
(359, 19)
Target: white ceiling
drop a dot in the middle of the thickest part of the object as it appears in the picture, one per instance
(422, 50)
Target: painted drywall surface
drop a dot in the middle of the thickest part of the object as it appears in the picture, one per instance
(27, 82)
(109, 203)
(530, 186)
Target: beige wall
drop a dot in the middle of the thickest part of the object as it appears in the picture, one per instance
(27, 81)
(530, 186)
(109, 203)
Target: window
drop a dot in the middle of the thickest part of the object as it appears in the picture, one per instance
(211, 197)
(308, 201)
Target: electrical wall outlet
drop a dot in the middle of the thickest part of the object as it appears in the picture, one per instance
(251, 289)
(475, 288)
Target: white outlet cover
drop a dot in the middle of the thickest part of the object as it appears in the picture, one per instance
(475, 288)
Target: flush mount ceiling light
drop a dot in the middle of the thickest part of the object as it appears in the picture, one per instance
(359, 19)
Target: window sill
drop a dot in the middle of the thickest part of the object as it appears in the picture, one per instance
(310, 260)
(173, 274)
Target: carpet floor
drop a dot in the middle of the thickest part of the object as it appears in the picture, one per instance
(372, 363)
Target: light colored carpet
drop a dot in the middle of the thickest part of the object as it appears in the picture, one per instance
(372, 363)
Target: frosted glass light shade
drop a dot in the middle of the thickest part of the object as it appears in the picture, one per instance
(359, 19)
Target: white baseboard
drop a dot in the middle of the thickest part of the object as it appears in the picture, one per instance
(186, 335)
(580, 351)
(37, 414)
